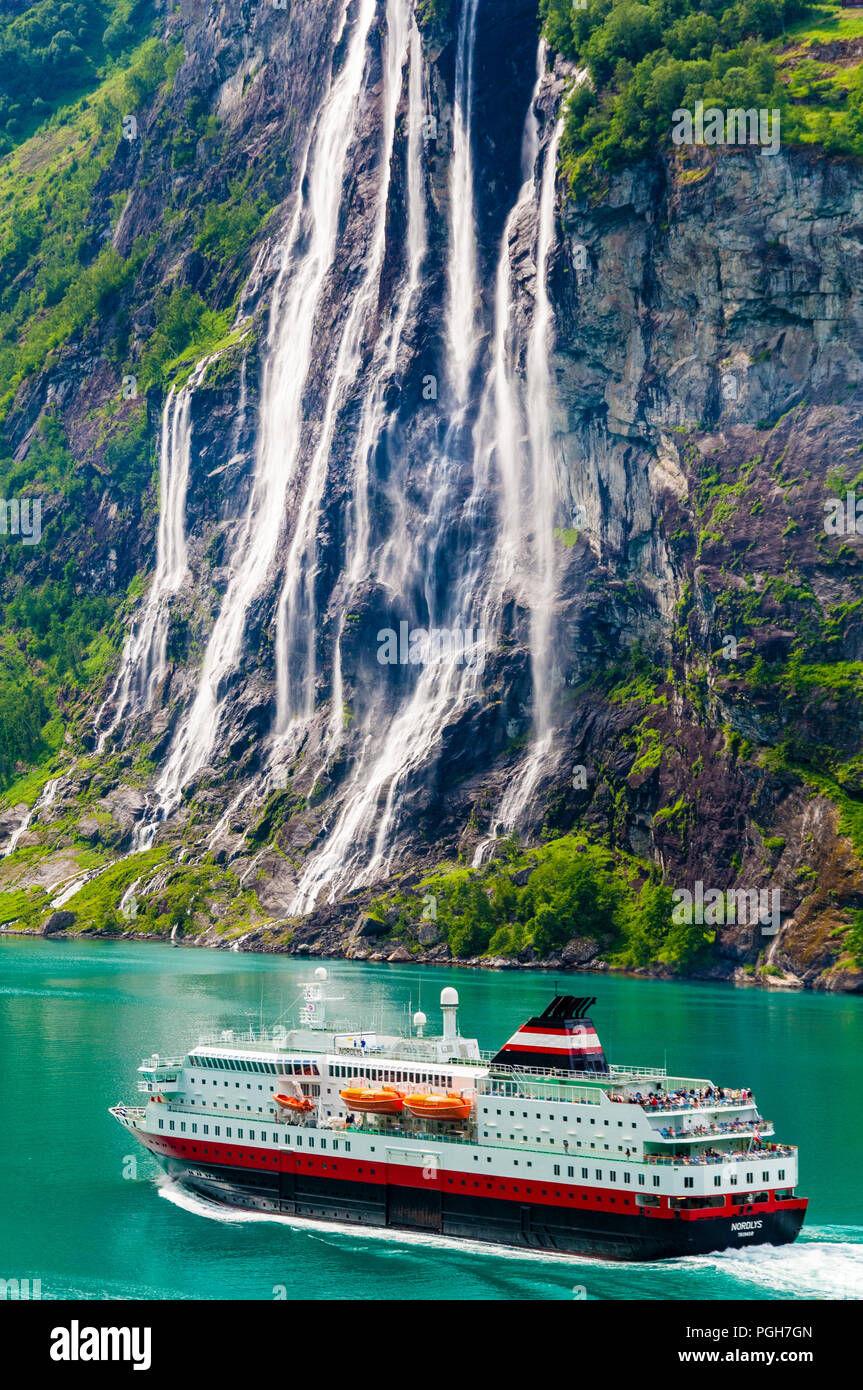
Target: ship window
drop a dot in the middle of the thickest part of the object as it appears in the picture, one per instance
(781, 1174)
(717, 1182)
(194, 1129)
(626, 1177)
(570, 1172)
(599, 1172)
(612, 1177)
(161, 1124)
(584, 1172)
(733, 1180)
(557, 1170)
(182, 1126)
(750, 1177)
(228, 1133)
(765, 1175)
(170, 1124)
(218, 1129)
(641, 1180)
(656, 1182)
(688, 1182)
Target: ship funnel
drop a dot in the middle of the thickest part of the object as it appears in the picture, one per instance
(449, 1006)
(562, 1037)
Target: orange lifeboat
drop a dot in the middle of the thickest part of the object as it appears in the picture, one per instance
(452, 1106)
(369, 1101)
(298, 1103)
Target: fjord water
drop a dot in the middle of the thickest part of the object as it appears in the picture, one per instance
(76, 1019)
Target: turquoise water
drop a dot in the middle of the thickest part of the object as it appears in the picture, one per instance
(76, 1019)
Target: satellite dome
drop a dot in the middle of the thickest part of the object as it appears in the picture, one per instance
(448, 997)
(420, 1019)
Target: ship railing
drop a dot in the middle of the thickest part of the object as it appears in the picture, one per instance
(681, 1107)
(717, 1132)
(529, 1088)
(131, 1112)
(251, 1117)
(157, 1063)
(615, 1076)
(732, 1156)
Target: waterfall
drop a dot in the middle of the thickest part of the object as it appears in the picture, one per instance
(144, 660)
(47, 795)
(296, 661)
(447, 512)
(306, 265)
(512, 451)
(545, 488)
(359, 846)
(462, 278)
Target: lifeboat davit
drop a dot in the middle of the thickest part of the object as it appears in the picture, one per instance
(298, 1103)
(452, 1106)
(367, 1100)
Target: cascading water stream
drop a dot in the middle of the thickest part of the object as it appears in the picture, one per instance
(143, 663)
(43, 801)
(306, 266)
(544, 491)
(411, 736)
(296, 633)
(512, 446)
(462, 277)
(376, 418)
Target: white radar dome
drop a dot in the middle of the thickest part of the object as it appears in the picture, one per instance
(420, 1019)
(448, 997)
(320, 973)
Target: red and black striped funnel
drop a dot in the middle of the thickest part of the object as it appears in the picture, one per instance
(561, 1037)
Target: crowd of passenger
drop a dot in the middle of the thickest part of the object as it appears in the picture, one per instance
(725, 1127)
(758, 1150)
(687, 1098)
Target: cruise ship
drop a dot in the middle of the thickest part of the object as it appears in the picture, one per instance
(542, 1145)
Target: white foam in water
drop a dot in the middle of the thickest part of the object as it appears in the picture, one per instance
(824, 1265)
(197, 1205)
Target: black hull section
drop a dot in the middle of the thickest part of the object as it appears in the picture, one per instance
(552, 1229)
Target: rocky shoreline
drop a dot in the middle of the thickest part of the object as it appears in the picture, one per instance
(259, 942)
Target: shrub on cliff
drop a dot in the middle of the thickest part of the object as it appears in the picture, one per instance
(647, 58)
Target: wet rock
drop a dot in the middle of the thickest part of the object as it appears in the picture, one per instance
(369, 927)
(57, 922)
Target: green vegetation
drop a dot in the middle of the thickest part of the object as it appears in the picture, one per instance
(433, 11)
(574, 888)
(168, 896)
(53, 52)
(648, 58)
(54, 280)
